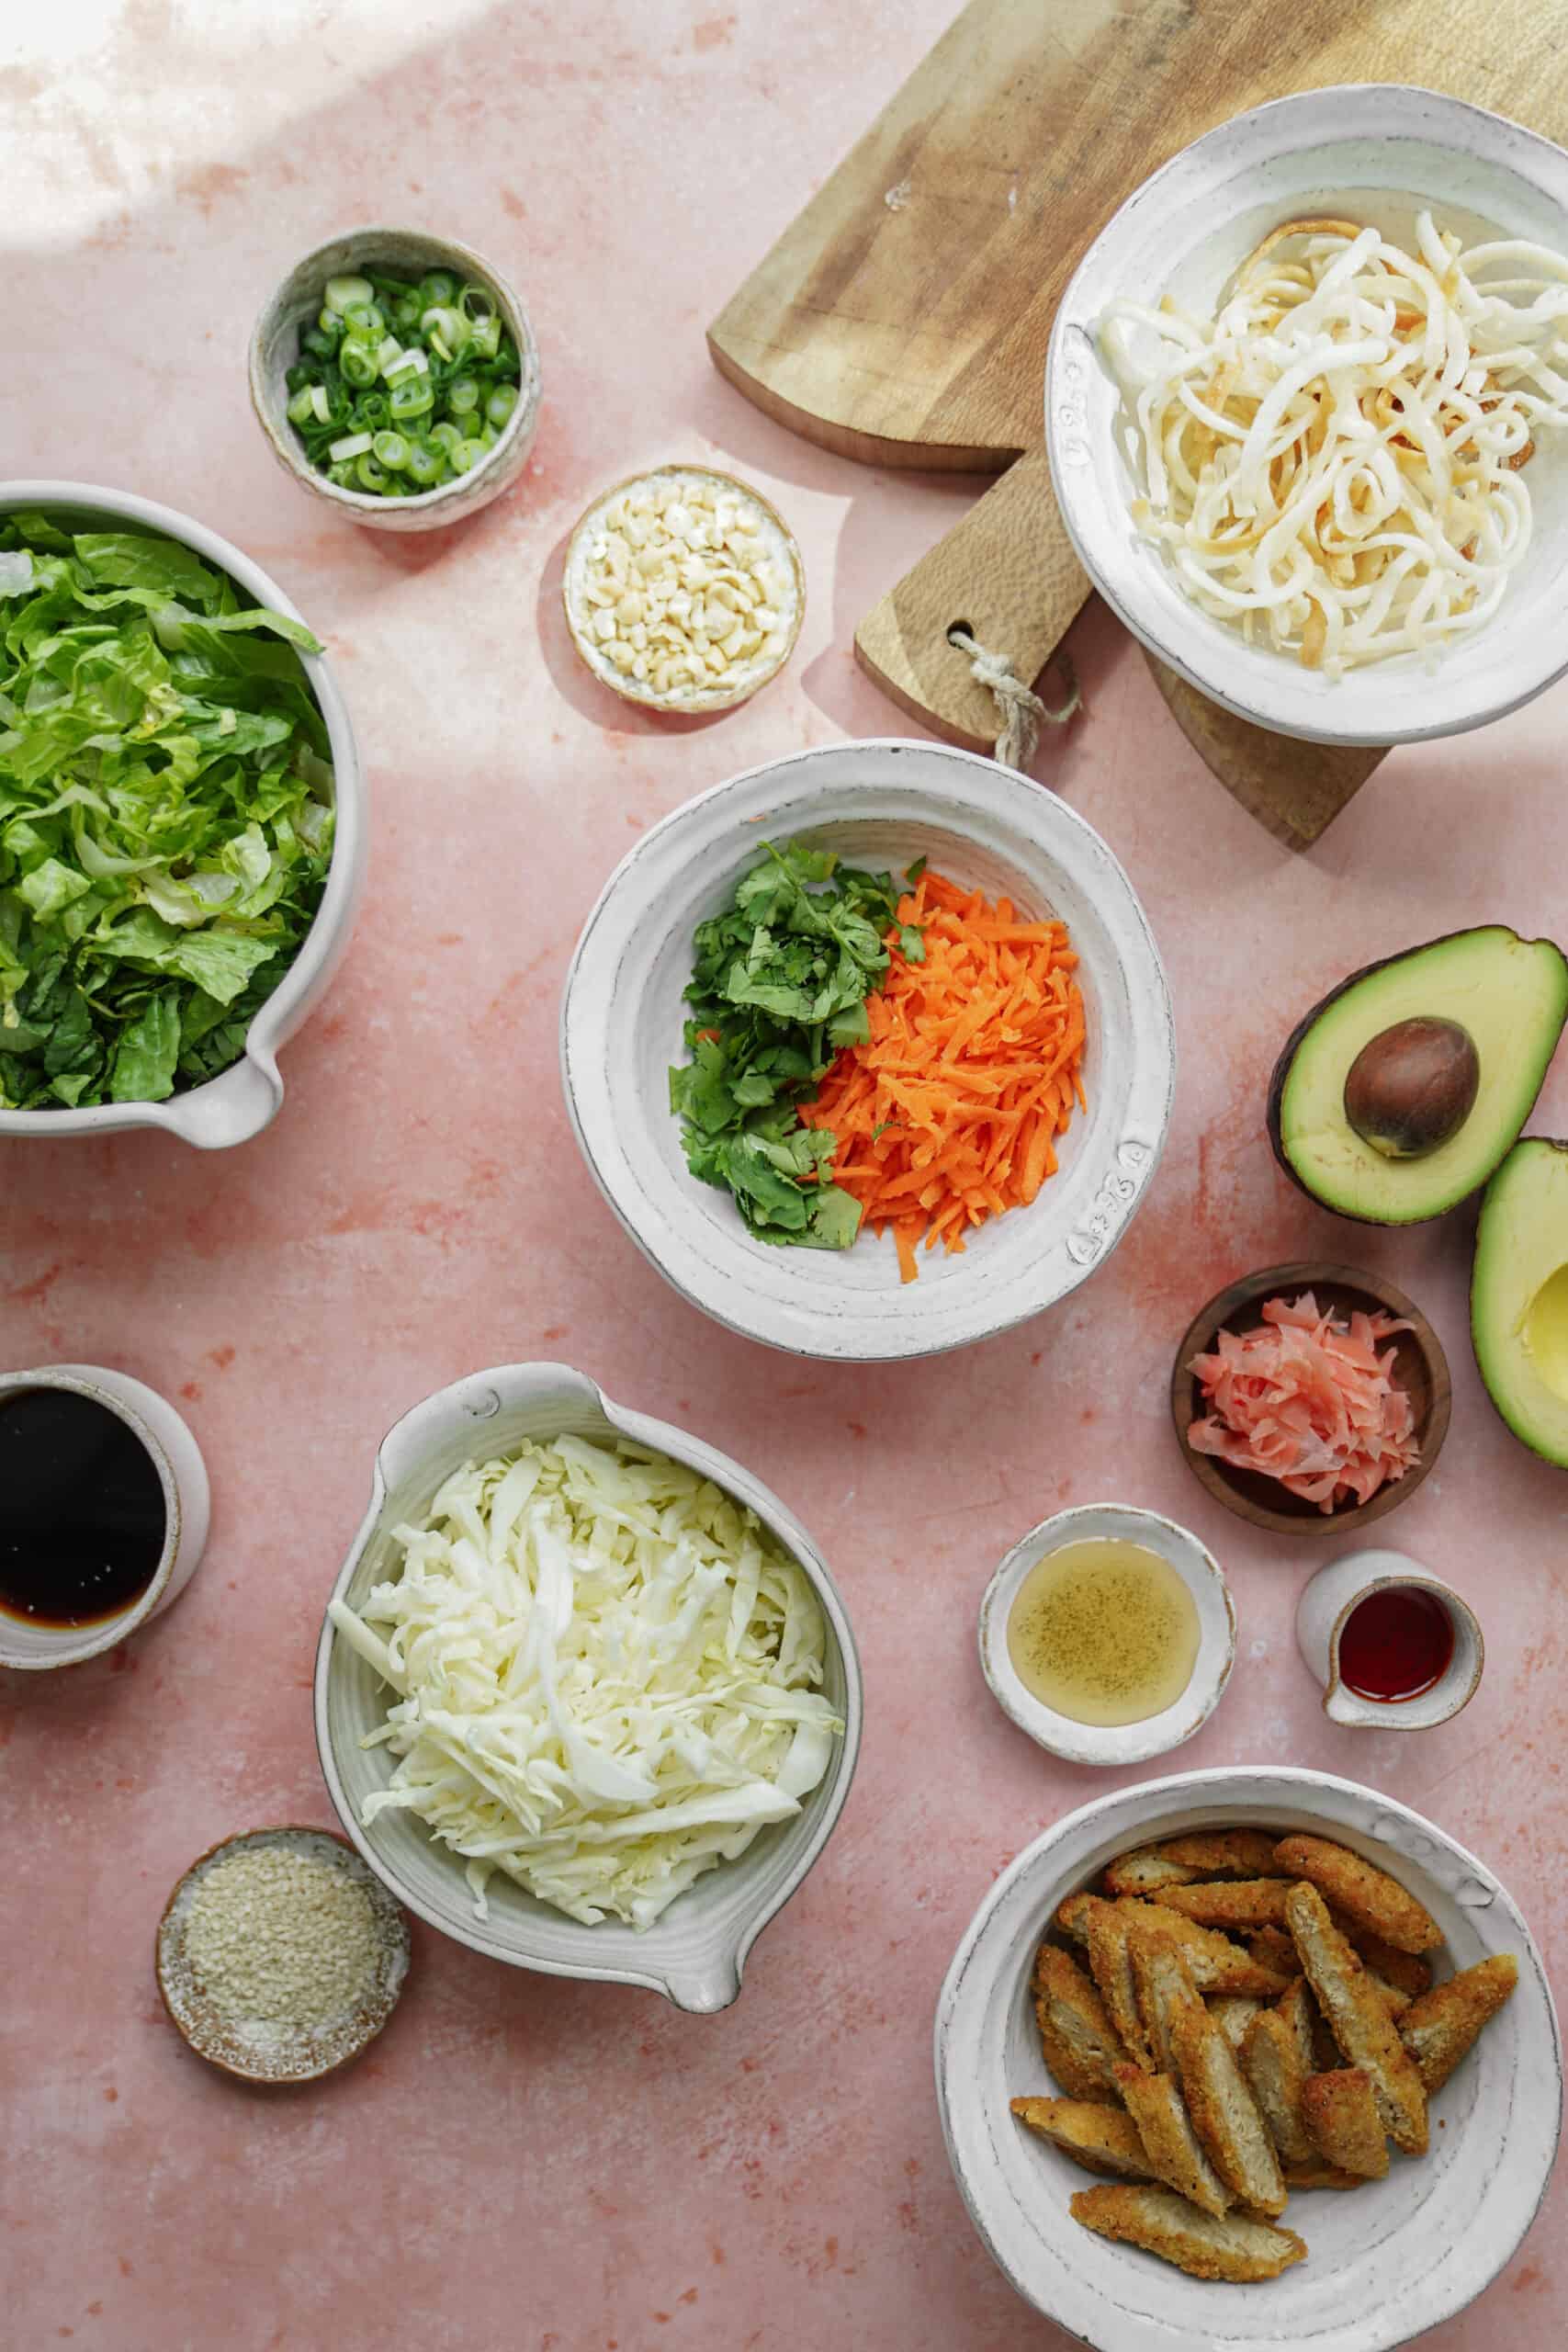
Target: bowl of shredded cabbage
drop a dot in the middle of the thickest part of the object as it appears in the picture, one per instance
(1307, 414)
(586, 1697)
(182, 822)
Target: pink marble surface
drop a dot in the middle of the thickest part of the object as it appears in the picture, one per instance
(519, 2161)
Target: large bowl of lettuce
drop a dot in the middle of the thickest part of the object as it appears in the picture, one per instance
(182, 822)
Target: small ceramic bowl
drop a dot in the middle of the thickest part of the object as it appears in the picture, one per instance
(1083, 1743)
(882, 805)
(275, 347)
(182, 1474)
(1331, 1598)
(1379, 153)
(695, 1952)
(739, 685)
(1400, 2255)
(243, 1098)
(302, 2057)
(1420, 1368)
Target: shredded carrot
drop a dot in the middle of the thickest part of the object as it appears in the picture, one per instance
(950, 1113)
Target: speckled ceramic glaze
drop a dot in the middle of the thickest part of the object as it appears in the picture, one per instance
(878, 803)
(696, 1951)
(244, 1098)
(1385, 2265)
(275, 347)
(1379, 153)
(1112, 1743)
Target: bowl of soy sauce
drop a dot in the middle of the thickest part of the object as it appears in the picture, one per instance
(102, 1511)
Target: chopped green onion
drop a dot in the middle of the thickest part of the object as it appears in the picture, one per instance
(358, 361)
(462, 394)
(302, 406)
(486, 340)
(353, 445)
(438, 285)
(342, 294)
(410, 362)
(477, 302)
(369, 474)
(367, 319)
(391, 451)
(500, 403)
(388, 353)
(445, 435)
(373, 412)
(427, 463)
(466, 454)
(410, 397)
(447, 326)
(320, 404)
(340, 477)
(318, 343)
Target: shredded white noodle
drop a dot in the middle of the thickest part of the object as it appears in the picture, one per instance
(1332, 463)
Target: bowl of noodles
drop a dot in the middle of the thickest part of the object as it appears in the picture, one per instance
(1306, 410)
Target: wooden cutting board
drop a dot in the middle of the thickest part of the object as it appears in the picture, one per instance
(902, 318)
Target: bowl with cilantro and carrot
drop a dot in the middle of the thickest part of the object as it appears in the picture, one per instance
(396, 376)
(869, 1049)
(182, 822)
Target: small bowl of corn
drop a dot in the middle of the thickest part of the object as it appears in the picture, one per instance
(683, 590)
(396, 376)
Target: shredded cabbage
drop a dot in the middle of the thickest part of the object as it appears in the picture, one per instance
(604, 1671)
(1332, 463)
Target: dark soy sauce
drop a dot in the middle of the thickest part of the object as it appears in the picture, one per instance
(1397, 1644)
(82, 1515)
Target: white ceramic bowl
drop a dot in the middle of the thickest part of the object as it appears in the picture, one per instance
(694, 1954)
(275, 347)
(881, 804)
(182, 1474)
(1083, 1743)
(1378, 154)
(1385, 2264)
(244, 1098)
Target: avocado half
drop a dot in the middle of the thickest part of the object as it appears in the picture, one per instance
(1510, 993)
(1518, 1294)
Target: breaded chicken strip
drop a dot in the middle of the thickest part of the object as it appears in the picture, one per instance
(1217, 1965)
(1299, 2012)
(1101, 2138)
(1271, 2059)
(1224, 1853)
(1241, 1905)
(1082, 2047)
(1143, 1870)
(1233, 2013)
(1163, 1982)
(1224, 2113)
(1205, 2246)
(1111, 1964)
(1407, 1971)
(1317, 2175)
(1272, 1948)
(1341, 2115)
(1361, 2024)
(1368, 1896)
(1170, 2144)
(1439, 2028)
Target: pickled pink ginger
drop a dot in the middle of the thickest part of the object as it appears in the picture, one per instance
(1309, 1401)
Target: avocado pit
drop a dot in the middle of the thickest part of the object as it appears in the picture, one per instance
(1411, 1087)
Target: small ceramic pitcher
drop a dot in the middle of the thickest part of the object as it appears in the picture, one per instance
(1324, 1611)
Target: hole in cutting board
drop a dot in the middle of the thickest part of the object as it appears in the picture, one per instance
(955, 629)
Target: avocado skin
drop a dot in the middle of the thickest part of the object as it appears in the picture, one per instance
(1297, 1037)
(1526, 1434)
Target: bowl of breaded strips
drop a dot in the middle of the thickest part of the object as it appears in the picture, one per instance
(1248, 2057)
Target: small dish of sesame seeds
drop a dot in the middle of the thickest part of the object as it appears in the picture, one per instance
(280, 1956)
(683, 590)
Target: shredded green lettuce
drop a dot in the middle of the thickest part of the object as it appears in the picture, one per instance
(165, 814)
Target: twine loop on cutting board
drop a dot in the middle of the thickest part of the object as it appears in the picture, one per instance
(1020, 708)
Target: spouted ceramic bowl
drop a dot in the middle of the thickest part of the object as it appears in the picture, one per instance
(1374, 153)
(1385, 2263)
(243, 1098)
(881, 804)
(695, 1952)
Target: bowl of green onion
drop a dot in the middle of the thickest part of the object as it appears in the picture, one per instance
(396, 376)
